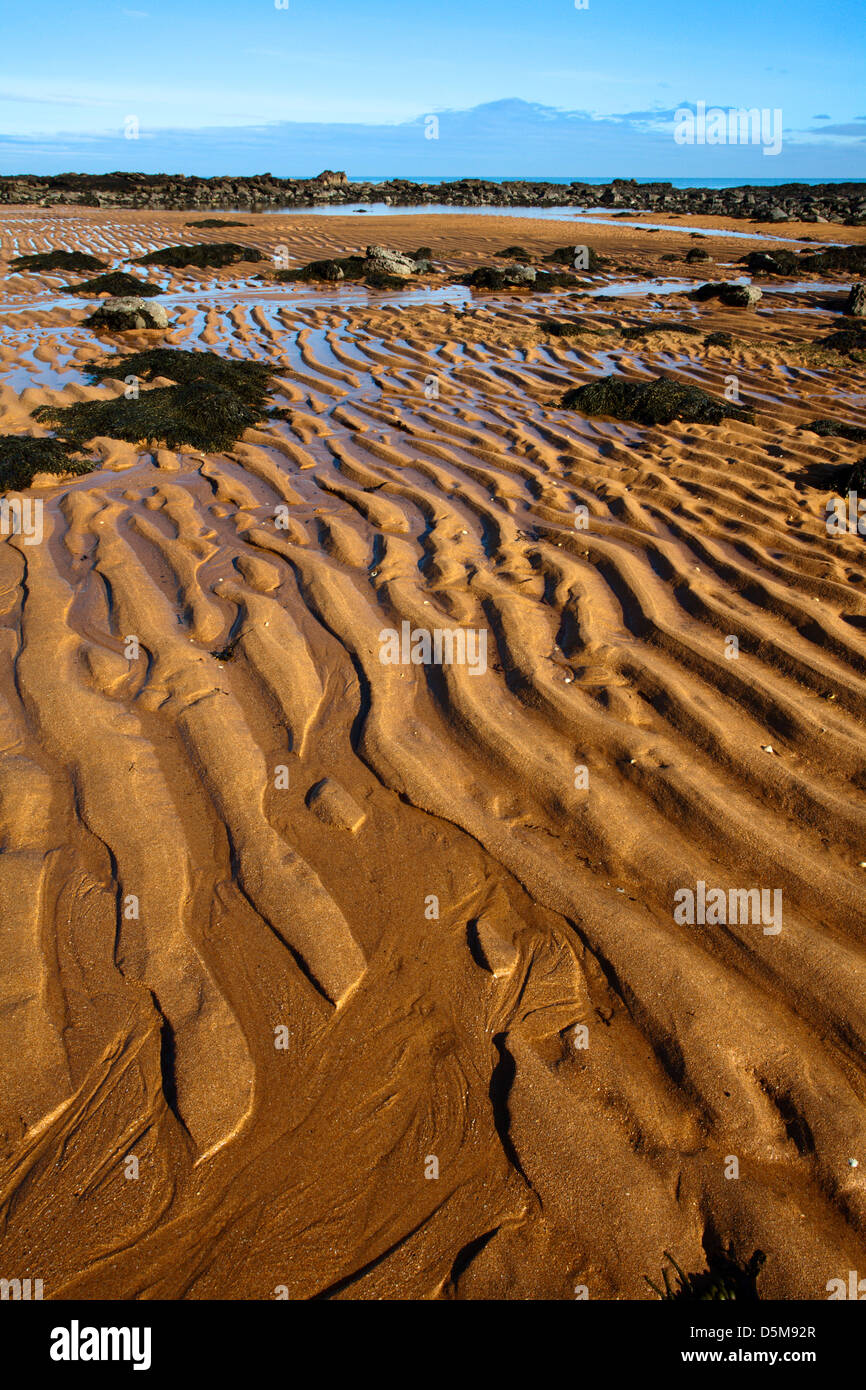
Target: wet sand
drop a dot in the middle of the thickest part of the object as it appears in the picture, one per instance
(405, 1011)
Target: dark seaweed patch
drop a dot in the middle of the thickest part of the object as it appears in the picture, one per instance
(118, 283)
(347, 268)
(56, 260)
(517, 253)
(845, 340)
(22, 457)
(837, 430)
(640, 330)
(565, 255)
(724, 1278)
(213, 254)
(655, 402)
(214, 401)
(251, 381)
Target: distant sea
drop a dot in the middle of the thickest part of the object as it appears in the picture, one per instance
(573, 178)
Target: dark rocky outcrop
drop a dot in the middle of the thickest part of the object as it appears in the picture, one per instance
(843, 203)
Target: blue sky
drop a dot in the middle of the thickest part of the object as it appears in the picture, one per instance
(245, 87)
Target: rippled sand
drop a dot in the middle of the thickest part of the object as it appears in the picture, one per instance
(287, 1035)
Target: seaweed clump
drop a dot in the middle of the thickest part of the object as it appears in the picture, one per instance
(834, 258)
(56, 260)
(22, 457)
(214, 400)
(515, 253)
(845, 340)
(247, 379)
(216, 222)
(835, 429)
(778, 262)
(655, 402)
(117, 284)
(856, 480)
(345, 268)
(566, 255)
(640, 330)
(205, 254)
(724, 1279)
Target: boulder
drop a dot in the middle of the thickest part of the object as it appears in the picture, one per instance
(381, 261)
(128, 311)
(735, 296)
(740, 296)
(856, 302)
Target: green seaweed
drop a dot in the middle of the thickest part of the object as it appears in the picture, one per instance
(206, 254)
(245, 378)
(655, 402)
(565, 255)
(215, 399)
(845, 340)
(118, 283)
(724, 1279)
(22, 456)
(640, 330)
(193, 415)
(778, 262)
(837, 430)
(856, 480)
(347, 268)
(56, 260)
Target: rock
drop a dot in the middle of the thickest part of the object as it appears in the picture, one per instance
(381, 261)
(329, 179)
(856, 302)
(736, 296)
(779, 262)
(696, 254)
(334, 806)
(128, 311)
(740, 296)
